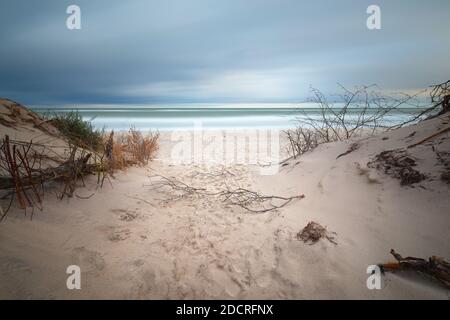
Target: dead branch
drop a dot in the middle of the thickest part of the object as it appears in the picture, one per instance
(249, 200)
(353, 147)
(25, 176)
(14, 160)
(302, 140)
(436, 267)
(440, 94)
(67, 169)
(440, 104)
(360, 111)
(245, 199)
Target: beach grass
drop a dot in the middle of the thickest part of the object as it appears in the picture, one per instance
(79, 131)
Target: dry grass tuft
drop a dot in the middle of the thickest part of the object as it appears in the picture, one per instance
(133, 148)
(142, 148)
(119, 156)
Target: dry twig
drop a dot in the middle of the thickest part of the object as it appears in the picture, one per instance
(249, 200)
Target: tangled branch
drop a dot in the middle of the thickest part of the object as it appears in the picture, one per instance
(363, 110)
(249, 200)
(23, 172)
(440, 104)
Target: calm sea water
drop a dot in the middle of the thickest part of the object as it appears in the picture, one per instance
(176, 117)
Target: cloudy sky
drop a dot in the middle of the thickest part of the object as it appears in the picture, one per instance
(216, 51)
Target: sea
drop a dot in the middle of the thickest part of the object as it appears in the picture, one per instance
(209, 116)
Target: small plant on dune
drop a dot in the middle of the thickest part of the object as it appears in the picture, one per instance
(130, 148)
(78, 131)
(142, 148)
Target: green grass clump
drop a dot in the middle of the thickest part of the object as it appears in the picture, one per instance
(77, 130)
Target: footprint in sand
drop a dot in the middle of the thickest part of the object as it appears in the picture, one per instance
(138, 262)
(14, 265)
(87, 260)
(114, 233)
(150, 284)
(119, 210)
(119, 235)
(127, 216)
(219, 281)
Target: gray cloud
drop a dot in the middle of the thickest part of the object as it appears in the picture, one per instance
(216, 51)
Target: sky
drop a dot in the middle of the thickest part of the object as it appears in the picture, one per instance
(209, 51)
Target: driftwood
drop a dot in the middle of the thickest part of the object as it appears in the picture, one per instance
(436, 267)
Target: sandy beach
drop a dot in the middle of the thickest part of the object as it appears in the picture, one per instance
(134, 241)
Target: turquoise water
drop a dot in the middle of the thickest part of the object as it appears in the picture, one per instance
(173, 117)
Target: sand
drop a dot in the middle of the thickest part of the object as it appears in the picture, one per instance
(130, 245)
